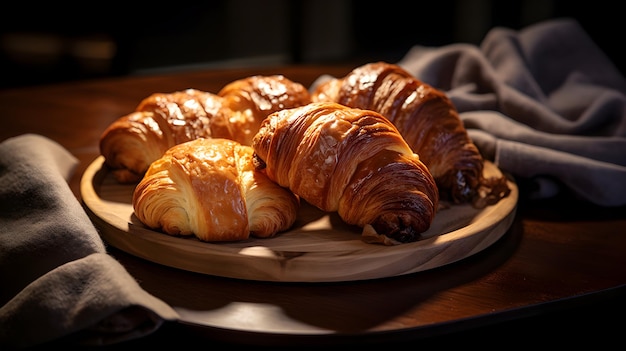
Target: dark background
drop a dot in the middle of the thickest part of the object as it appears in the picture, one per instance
(55, 42)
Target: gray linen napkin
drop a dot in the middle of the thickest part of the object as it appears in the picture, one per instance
(57, 281)
(544, 103)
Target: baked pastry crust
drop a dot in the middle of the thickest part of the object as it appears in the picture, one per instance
(350, 161)
(209, 187)
(428, 121)
(162, 120)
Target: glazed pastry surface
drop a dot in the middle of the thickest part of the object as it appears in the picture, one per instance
(350, 161)
(163, 120)
(210, 188)
(427, 120)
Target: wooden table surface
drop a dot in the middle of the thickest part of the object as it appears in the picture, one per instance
(561, 265)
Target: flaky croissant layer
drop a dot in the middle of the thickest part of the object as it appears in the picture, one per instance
(427, 120)
(163, 120)
(351, 161)
(209, 187)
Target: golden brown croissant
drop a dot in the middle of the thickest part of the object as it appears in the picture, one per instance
(429, 123)
(210, 188)
(163, 120)
(353, 162)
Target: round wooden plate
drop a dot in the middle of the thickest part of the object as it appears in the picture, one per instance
(319, 248)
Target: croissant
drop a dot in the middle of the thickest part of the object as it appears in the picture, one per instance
(427, 120)
(163, 120)
(353, 162)
(210, 188)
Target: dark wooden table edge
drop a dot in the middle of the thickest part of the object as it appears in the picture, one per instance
(580, 317)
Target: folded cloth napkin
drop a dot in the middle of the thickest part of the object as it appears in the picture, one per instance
(544, 103)
(58, 282)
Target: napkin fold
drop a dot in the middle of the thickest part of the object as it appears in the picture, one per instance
(544, 103)
(57, 281)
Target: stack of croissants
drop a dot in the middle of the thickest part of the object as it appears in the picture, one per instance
(379, 147)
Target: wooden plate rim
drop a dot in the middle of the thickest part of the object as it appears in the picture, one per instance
(254, 259)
